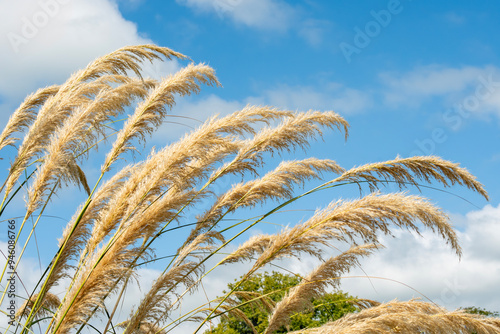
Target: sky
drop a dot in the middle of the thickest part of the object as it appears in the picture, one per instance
(410, 77)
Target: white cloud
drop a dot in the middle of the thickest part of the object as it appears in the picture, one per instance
(261, 14)
(265, 15)
(46, 40)
(428, 81)
(333, 96)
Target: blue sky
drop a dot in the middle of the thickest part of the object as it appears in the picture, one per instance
(411, 77)
(399, 89)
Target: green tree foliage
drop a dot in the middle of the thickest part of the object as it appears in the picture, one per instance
(480, 311)
(272, 287)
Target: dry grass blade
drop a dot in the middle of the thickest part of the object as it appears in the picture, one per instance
(362, 303)
(263, 302)
(256, 245)
(227, 310)
(155, 306)
(328, 273)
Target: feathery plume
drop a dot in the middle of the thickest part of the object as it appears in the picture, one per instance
(123, 60)
(358, 219)
(156, 305)
(408, 317)
(25, 115)
(294, 132)
(411, 170)
(256, 245)
(328, 273)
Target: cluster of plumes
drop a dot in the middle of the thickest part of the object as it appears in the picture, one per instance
(116, 227)
(63, 121)
(408, 317)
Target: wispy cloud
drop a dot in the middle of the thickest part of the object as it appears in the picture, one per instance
(428, 81)
(454, 18)
(266, 15)
(314, 31)
(331, 96)
(474, 89)
(260, 14)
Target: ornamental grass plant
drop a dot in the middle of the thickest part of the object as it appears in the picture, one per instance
(133, 207)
